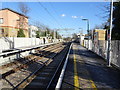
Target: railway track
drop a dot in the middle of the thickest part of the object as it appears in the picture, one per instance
(39, 66)
(21, 63)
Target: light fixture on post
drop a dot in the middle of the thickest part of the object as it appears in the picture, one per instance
(87, 29)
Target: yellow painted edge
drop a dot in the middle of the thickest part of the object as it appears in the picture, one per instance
(92, 82)
(93, 85)
(76, 79)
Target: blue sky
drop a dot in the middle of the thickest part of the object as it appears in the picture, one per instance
(66, 14)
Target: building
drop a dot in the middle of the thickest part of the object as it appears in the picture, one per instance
(99, 34)
(11, 22)
(32, 31)
(81, 37)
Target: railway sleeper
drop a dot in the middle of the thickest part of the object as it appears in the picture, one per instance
(27, 62)
(13, 71)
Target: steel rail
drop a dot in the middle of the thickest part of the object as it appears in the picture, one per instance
(27, 62)
(17, 86)
(48, 86)
(63, 71)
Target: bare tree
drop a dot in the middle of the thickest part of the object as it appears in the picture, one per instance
(74, 35)
(104, 12)
(24, 8)
(41, 26)
(23, 21)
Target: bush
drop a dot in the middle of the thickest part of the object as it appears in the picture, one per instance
(21, 33)
(37, 34)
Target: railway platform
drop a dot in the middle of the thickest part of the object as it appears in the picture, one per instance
(86, 70)
(16, 50)
(62, 66)
(8, 55)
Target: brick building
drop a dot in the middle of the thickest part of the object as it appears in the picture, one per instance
(99, 34)
(11, 22)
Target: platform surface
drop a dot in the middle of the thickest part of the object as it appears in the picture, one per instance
(86, 70)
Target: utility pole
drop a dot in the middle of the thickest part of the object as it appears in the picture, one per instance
(54, 34)
(109, 35)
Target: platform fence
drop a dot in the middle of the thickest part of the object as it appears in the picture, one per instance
(100, 48)
(7, 43)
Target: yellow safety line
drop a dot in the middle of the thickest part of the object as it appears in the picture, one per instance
(92, 82)
(93, 85)
(76, 80)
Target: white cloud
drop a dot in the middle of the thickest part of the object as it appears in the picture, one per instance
(74, 17)
(77, 17)
(63, 15)
(81, 16)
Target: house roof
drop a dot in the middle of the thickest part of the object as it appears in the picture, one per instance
(13, 11)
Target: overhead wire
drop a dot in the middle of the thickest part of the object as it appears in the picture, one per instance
(49, 13)
(53, 8)
(58, 14)
(37, 19)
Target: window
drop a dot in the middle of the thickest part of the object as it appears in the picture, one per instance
(1, 20)
(1, 31)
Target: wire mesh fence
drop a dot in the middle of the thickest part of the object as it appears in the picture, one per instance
(100, 48)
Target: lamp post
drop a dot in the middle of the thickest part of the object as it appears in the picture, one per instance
(87, 29)
(109, 35)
